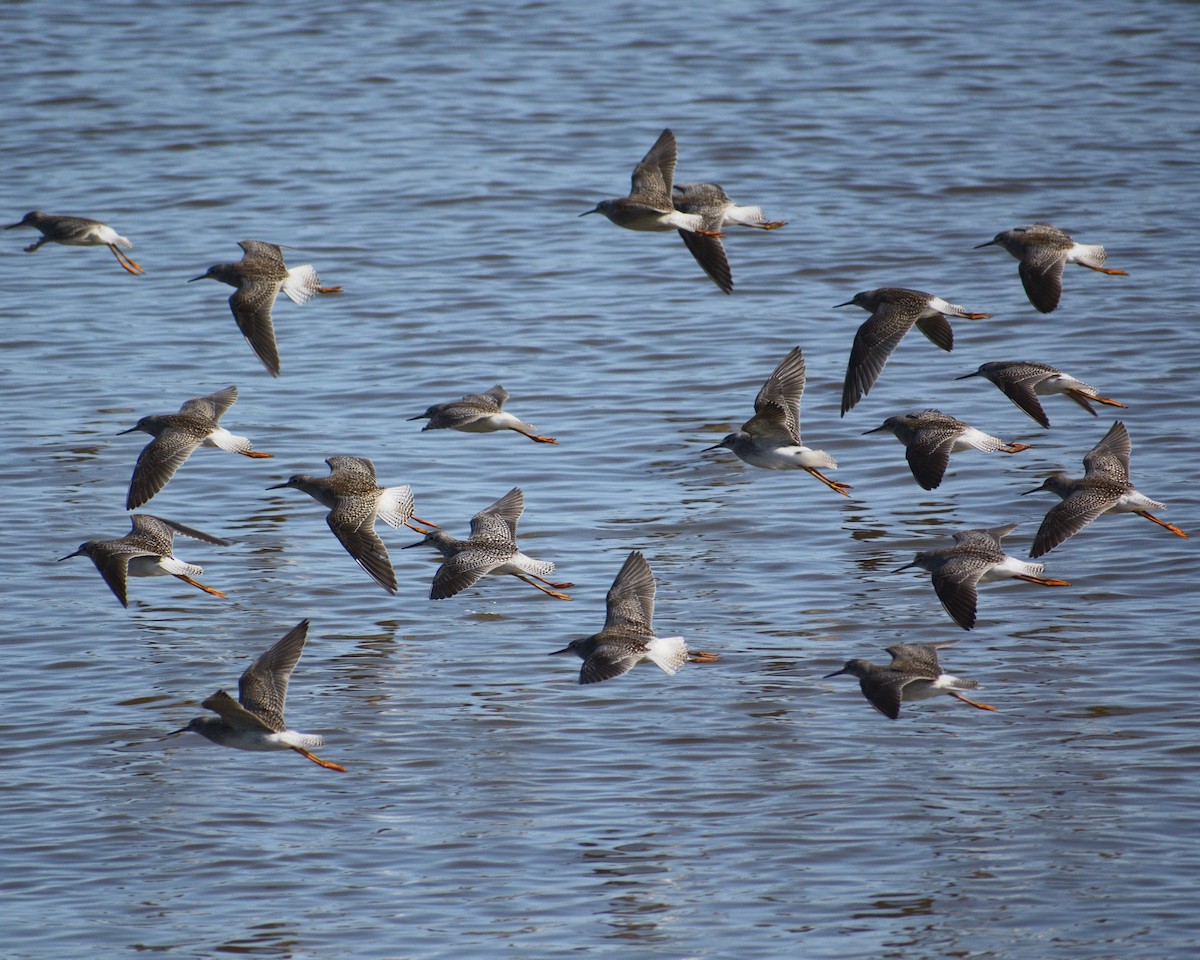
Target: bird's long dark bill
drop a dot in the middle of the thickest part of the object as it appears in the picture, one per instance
(11, 225)
(1026, 493)
(882, 426)
(836, 673)
(121, 433)
(77, 553)
(848, 303)
(719, 446)
(202, 276)
(584, 214)
(409, 546)
(277, 486)
(555, 653)
(967, 375)
(980, 246)
(907, 566)
(173, 733)
(421, 416)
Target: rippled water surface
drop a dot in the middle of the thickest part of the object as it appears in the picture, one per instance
(433, 159)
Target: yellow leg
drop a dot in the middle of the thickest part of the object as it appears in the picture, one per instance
(981, 706)
(1044, 581)
(1014, 447)
(327, 764)
(536, 438)
(1162, 523)
(196, 583)
(835, 485)
(125, 261)
(428, 523)
(551, 583)
(977, 316)
(699, 656)
(256, 454)
(553, 593)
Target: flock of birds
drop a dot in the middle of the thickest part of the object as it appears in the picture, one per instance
(770, 439)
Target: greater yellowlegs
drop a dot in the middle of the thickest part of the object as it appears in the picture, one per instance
(255, 720)
(491, 548)
(259, 277)
(930, 436)
(651, 207)
(771, 438)
(975, 558)
(1104, 488)
(913, 674)
(712, 204)
(479, 413)
(628, 635)
(146, 551)
(77, 232)
(355, 500)
(176, 435)
(1023, 381)
(1044, 250)
(894, 310)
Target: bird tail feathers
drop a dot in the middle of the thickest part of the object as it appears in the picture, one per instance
(302, 283)
(669, 653)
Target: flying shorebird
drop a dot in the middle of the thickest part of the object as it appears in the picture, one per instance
(255, 720)
(146, 551)
(894, 310)
(491, 548)
(176, 435)
(478, 413)
(650, 207)
(975, 558)
(1023, 380)
(77, 232)
(1104, 488)
(1043, 251)
(628, 635)
(913, 674)
(771, 438)
(355, 500)
(712, 204)
(259, 277)
(930, 436)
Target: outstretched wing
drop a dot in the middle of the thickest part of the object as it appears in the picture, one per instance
(630, 601)
(157, 463)
(212, 406)
(873, 344)
(653, 177)
(499, 520)
(1110, 457)
(1041, 270)
(262, 689)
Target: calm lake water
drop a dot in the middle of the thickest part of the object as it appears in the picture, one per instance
(432, 159)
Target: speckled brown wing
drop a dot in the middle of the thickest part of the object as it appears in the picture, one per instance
(653, 177)
(873, 344)
(157, 463)
(262, 689)
(630, 600)
(1041, 270)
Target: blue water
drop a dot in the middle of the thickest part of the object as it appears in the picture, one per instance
(432, 159)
